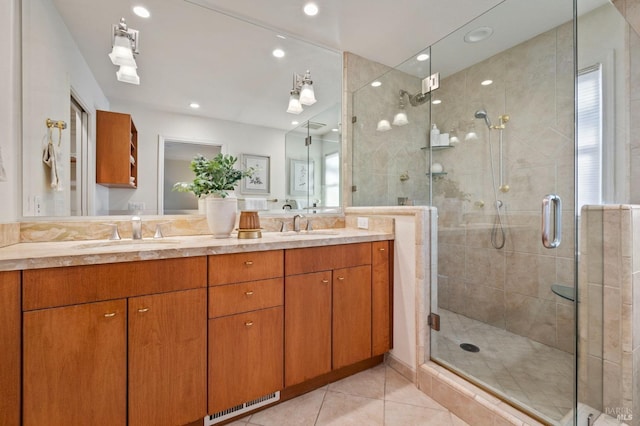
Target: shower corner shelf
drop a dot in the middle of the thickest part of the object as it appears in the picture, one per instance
(436, 148)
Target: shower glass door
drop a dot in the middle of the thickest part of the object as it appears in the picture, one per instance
(505, 170)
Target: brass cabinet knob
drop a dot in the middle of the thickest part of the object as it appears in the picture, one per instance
(143, 310)
(340, 278)
(381, 249)
(248, 263)
(110, 315)
(248, 323)
(325, 281)
(249, 293)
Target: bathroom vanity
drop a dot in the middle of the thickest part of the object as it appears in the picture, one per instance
(168, 332)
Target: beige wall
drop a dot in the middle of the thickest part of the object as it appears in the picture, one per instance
(609, 315)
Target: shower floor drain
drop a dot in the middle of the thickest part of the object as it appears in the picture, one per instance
(469, 347)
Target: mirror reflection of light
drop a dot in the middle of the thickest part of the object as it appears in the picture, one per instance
(376, 84)
(295, 123)
(487, 82)
(311, 9)
(422, 57)
(436, 101)
(141, 11)
(278, 53)
(194, 105)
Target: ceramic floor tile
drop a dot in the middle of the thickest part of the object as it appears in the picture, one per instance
(368, 383)
(300, 411)
(339, 409)
(397, 414)
(399, 389)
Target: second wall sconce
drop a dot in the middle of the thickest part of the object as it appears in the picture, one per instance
(302, 93)
(124, 43)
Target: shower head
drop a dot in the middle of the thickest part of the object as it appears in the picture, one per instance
(482, 114)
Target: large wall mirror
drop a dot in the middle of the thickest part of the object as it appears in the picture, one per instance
(190, 52)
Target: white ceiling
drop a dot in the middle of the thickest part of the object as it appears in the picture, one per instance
(218, 52)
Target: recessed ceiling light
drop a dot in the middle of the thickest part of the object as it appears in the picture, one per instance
(376, 84)
(194, 105)
(278, 53)
(295, 123)
(281, 36)
(141, 11)
(487, 82)
(311, 9)
(436, 101)
(479, 34)
(334, 130)
(422, 57)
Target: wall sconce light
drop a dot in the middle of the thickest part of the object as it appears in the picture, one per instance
(400, 119)
(301, 94)
(124, 43)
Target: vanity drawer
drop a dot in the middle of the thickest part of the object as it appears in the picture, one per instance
(51, 287)
(244, 297)
(314, 259)
(241, 267)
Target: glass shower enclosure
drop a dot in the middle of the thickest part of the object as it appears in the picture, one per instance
(526, 148)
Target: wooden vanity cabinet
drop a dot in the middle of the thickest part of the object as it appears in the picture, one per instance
(10, 354)
(116, 150)
(351, 313)
(331, 308)
(167, 352)
(75, 361)
(137, 359)
(307, 326)
(381, 297)
(246, 337)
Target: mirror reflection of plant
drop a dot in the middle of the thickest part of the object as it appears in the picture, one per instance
(216, 176)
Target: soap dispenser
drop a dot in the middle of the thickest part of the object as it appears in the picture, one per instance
(435, 135)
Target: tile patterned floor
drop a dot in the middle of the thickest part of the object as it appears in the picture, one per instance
(378, 396)
(527, 372)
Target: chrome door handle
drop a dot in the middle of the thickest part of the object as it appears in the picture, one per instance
(547, 201)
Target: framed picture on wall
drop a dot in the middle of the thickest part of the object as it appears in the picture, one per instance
(301, 177)
(260, 182)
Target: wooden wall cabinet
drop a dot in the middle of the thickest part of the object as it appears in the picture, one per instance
(10, 358)
(136, 360)
(246, 337)
(116, 150)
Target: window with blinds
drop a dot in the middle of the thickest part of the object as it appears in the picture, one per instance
(590, 136)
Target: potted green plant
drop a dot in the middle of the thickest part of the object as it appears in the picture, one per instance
(214, 180)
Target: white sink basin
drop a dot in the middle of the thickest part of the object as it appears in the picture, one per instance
(127, 243)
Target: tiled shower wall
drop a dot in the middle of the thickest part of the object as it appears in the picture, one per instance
(510, 287)
(609, 311)
(380, 159)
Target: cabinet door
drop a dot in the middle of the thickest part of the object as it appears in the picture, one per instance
(307, 318)
(10, 353)
(168, 358)
(74, 364)
(245, 357)
(351, 315)
(381, 326)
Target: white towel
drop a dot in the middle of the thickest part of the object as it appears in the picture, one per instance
(50, 158)
(302, 203)
(255, 204)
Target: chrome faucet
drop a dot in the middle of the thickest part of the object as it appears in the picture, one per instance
(296, 222)
(136, 228)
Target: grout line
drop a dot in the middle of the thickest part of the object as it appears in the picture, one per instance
(321, 405)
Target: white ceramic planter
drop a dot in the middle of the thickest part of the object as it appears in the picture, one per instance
(221, 215)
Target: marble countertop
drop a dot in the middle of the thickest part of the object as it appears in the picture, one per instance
(37, 255)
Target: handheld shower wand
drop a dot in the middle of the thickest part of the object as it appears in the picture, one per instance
(482, 114)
